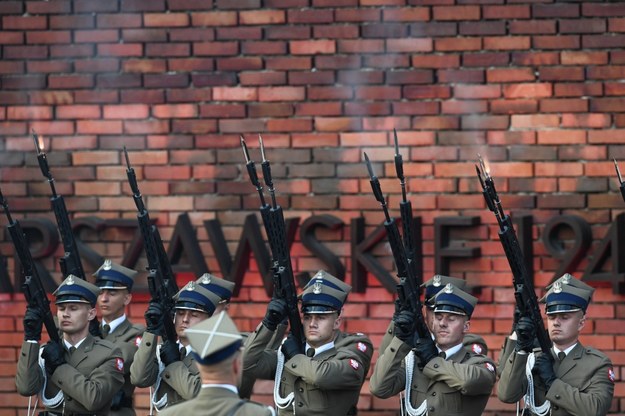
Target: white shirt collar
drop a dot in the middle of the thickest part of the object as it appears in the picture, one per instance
(222, 386)
(321, 349)
(556, 350)
(114, 323)
(451, 351)
(68, 345)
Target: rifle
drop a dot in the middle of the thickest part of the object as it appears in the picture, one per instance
(70, 262)
(620, 180)
(275, 227)
(161, 279)
(408, 291)
(524, 293)
(405, 209)
(33, 289)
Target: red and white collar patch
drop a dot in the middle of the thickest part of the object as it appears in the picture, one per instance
(362, 347)
(611, 375)
(476, 348)
(490, 367)
(354, 364)
(119, 365)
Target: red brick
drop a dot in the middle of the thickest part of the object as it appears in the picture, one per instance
(312, 47)
(510, 75)
(477, 91)
(406, 14)
(435, 61)
(150, 126)
(409, 45)
(528, 90)
(133, 49)
(137, 111)
(534, 121)
(78, 111)
(208, 19)
(281, 94)
(96, 36)
(262, 17)
(70, 81)
(315, 109)
(562, 74)
(562, 137)
(560, 105)
(29, 113)
(174, 111)
(24, 22)
(522, 27)
(144, 65)
(556, 42)
(535, 58)
(119, 20)
(456, 13)
(235, 94)
(506, 12)
(457, 44)
(605, 136)
(356, 46)
(507, 42)
(166, 19)
(48, 37)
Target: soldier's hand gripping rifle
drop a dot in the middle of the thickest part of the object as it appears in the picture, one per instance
(161, 279)
(620, 180)
(524, 293)
(408, 290)
(33, 289)
(275, 227)
(70, 262)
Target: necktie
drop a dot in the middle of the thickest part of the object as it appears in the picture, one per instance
(183, 353)
(310, 352)
(561, 355)
(442, 355)
(71, 350)
(106, 328)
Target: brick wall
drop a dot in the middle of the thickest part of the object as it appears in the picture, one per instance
(535, 86)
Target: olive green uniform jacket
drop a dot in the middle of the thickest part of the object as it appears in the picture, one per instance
(459, 385)
(179, 380)
(127, 337)
(88, 380)
(471, 341)
(247, 383)
(583, 385)
(325, 385)
(221, 402)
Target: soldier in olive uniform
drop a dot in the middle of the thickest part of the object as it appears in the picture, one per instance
(573, 379)
(217, 346)
(440, 376)
(430, 289)
(80, 375)
(115, 282)
(509, 344)
(169, 367)
(324, 376)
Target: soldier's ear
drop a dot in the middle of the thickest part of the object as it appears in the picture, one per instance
(467, 325)
(127, 299)
(91, 315)
(582, 322)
